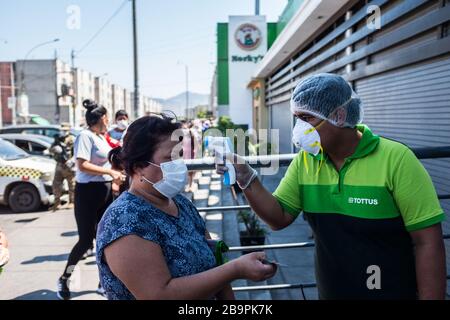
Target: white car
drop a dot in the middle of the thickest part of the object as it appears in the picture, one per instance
(25, 180)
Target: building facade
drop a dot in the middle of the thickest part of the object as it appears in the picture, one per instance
(84, 86)
(151, 105)
(241, 43)
(118, 99)
(103, 92)
(7, 90)
(53, 90)
(48, 88)
(128, 103)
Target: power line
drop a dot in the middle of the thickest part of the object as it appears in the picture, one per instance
(103, 27)
(160, 49)
(151, 85)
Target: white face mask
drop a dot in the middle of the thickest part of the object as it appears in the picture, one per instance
(174, 178)
(122, 124)
(306, 137)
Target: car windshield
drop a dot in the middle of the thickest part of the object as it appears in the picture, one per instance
(46, 139)
(8, 151)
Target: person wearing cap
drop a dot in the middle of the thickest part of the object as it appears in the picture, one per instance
(62, 152)
(371, 204)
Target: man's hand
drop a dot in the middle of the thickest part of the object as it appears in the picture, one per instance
(244, 173)
(262, 201)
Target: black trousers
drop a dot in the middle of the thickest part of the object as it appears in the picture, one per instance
(91, 201)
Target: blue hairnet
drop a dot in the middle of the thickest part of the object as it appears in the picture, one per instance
(329, 97)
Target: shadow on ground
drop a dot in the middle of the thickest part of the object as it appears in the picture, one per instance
(69, 234)
(41, 259)
(49, 295)
(25, 220)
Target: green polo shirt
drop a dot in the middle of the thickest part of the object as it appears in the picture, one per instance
(362, 215)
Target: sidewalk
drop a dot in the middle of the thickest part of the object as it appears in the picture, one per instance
(299, 261)
(39, 251)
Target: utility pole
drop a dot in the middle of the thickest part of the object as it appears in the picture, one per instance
(57, 117)
(1, 105)
(135, 58)
(74, 87)
(257, 7)
(187, 92)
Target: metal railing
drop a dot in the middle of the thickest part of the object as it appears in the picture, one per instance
(285, 160)
(207, 163)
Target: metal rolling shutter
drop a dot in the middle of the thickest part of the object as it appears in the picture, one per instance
(412, 105)
(280, 118)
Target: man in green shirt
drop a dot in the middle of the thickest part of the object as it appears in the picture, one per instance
(371, 204)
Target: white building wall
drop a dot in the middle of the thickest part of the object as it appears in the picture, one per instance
(103, 94)
(85, 89)
(118, 100)
(243, 59)
(41, 81)
(128, 103)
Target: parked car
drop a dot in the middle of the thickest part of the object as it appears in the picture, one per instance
(44, 130)
(48, 131)
(33, 144)
(25, 180)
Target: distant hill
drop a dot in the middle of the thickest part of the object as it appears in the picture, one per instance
(177, 104)
(195, 99)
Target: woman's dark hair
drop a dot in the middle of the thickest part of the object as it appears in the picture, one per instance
(116, 164)
(140, 142)
(114, 160)
(121, 113)
(94, 112)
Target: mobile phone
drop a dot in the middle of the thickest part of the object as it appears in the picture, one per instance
(265, 261)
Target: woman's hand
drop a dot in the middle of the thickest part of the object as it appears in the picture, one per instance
(118, 177)
(4, 252)
(250, 266)
(3, 240)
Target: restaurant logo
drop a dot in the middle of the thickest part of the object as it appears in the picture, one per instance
(248, 37)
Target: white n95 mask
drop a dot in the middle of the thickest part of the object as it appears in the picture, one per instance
(174, 178)
(306, 137)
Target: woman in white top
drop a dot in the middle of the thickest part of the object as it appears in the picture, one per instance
(93, 193)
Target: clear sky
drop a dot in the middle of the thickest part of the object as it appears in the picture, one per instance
(169, 31)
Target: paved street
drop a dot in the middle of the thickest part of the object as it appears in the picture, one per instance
(39, 245)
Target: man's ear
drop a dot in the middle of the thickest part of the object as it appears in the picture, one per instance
(341, 116)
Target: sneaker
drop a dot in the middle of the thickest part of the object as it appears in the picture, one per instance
(68, 206)
(88, 253)
(101, 291)
(63, 291)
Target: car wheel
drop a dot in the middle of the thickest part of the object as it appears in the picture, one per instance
(24, 198)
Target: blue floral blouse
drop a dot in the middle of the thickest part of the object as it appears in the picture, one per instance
(182, 239)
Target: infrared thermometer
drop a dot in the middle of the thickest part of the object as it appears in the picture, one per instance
(221, 146)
